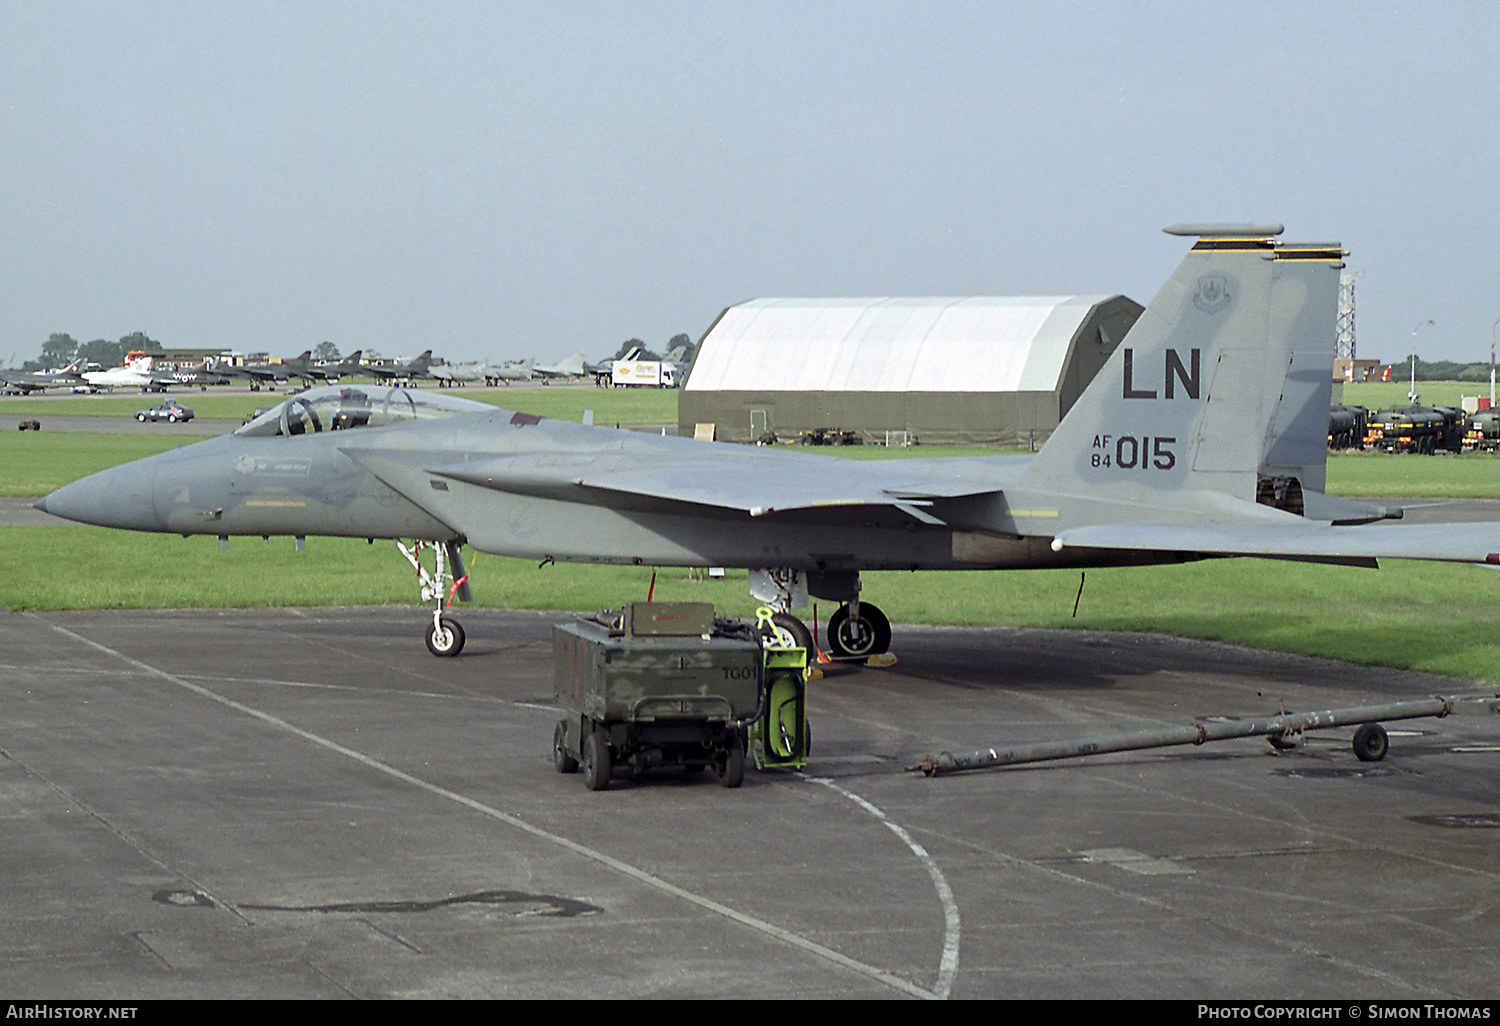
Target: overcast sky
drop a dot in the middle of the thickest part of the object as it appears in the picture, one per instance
(529, 179)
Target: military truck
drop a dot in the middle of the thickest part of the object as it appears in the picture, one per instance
(1346, 427)
(1483, 432)
(1418, 429)
(655, 684)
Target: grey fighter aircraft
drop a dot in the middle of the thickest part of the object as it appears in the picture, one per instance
(572, 367)
(409, 371)
(349, 365)
(302, 367)
(1203, 435)
(454, 375)
(26, 382)
(259, 375)
(508, 372)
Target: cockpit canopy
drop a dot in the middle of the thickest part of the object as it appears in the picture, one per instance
(342, 407)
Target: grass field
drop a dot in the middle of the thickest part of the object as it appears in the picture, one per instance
(37, 462)
(1420, 616)
(1378, 395)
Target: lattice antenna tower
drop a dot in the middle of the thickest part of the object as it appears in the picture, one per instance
(1343, 344)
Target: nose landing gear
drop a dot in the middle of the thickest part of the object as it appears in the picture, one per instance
(446, 581)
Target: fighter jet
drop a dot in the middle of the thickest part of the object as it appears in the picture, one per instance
(137, 373)
(455, 375)
(349, 365)
(258, 374)
(1204, 435)
(412, 370)
(27, 382)
(302, 367)
(202, 376)
(509, 371)
(572, 367)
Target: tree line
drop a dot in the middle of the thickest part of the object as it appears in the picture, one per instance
(62, 349)
(1441, 370)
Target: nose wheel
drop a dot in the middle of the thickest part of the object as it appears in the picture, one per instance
(445, 637)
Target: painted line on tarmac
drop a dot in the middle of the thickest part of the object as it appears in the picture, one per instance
(948, 967)
(624, 868)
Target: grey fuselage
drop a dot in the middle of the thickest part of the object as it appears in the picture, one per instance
(408, 481)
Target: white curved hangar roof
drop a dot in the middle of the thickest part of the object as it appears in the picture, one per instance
(973, 343)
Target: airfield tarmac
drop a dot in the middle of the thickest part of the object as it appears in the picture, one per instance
(304, 803)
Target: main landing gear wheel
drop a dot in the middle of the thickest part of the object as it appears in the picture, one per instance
(445, 637)
(1370, 743)
(792, 632)
(861, 636)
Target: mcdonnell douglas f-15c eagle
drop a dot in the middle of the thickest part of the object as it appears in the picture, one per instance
(1205, 434)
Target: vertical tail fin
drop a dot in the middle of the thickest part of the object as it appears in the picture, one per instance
(1221, 386)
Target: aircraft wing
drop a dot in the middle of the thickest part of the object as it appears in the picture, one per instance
(758, 487)
(1456, 542)
(758, 491)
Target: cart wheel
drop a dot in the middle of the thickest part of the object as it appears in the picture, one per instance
(732, 769)
(1370, 743)
(561, 758)
(597, 764)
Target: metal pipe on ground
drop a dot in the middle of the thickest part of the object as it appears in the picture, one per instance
(1281, 728)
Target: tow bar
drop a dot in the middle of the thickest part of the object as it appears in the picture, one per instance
(1283, 730)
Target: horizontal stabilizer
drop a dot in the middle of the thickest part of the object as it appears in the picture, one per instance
(1456, 543)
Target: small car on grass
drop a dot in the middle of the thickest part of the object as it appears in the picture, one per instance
(171, 410)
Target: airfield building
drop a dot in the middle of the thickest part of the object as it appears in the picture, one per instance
(975, 370)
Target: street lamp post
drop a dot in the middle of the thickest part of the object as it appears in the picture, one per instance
(1411, 396)
(1492, 361)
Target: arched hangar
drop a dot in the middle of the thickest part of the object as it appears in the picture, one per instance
(978, 370)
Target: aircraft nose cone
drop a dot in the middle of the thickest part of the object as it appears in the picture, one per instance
(118, 497)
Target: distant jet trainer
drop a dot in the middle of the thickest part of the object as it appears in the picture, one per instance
(1204, 434)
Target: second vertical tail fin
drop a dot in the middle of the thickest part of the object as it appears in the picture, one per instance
(1222, 386)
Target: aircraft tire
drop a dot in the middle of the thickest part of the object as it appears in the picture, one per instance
(792, 631)
(859, 639)
(445, 638)
(561, 757)
(597, 763)
(731, 770)
(1371, 743)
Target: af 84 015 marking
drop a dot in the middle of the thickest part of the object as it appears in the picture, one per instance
(1130, 452)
